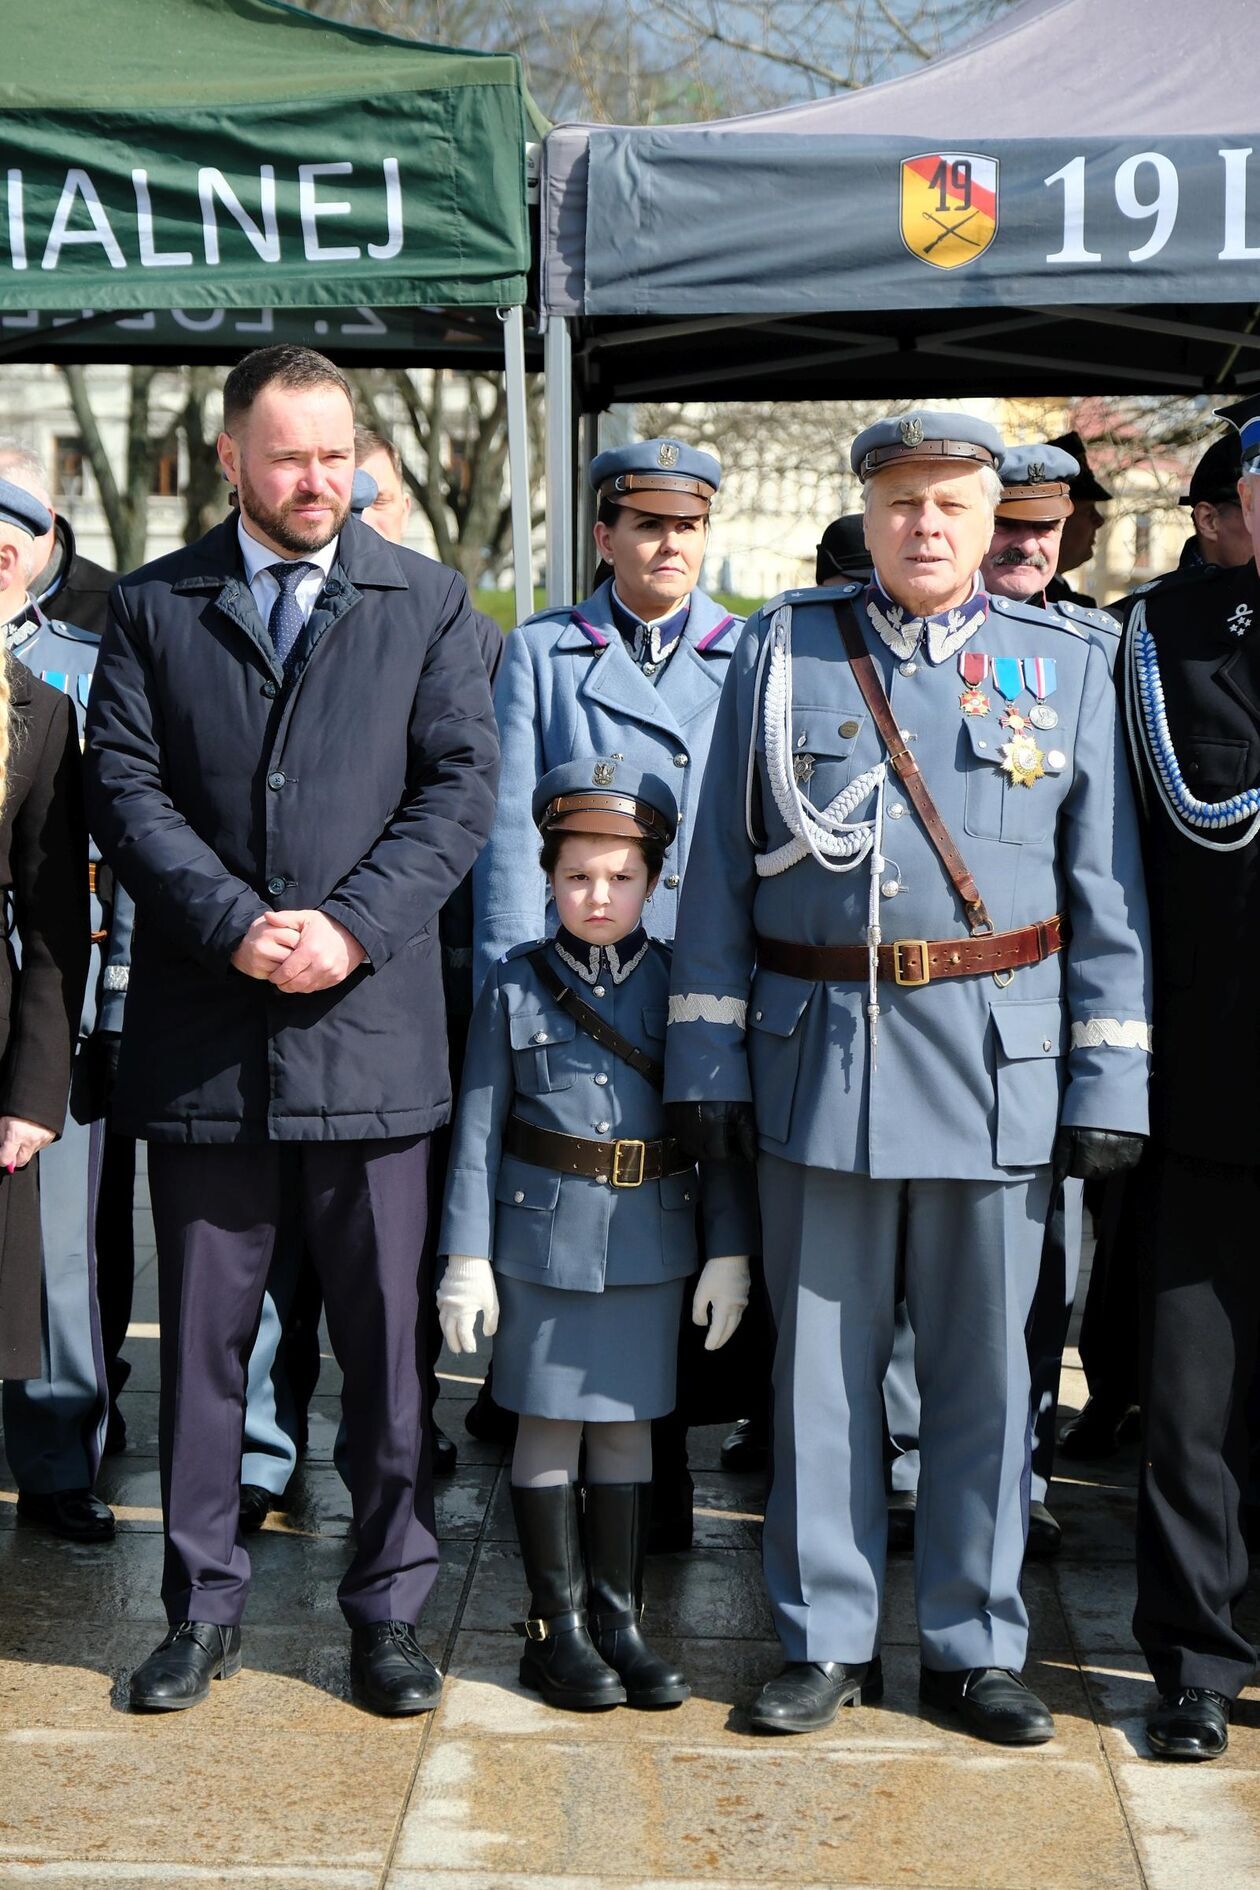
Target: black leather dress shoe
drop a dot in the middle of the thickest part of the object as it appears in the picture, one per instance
(808, 1694)
(1190, 1724)
(1045, 1538)
(179, 1671)
(390, 1673)
(77, 1515)
(255, 1507)
(992, 1702)
(1099, 1431)
(747, 1447)
(445, 1455)
(488, 1422)
(901, 1508)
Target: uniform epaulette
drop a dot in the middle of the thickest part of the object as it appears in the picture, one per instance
(519, 951)
(1029, 612)
(554, 613)
(1179, 575)
(1088, 614)
(812, 594)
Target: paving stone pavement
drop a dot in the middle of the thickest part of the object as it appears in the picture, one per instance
(279, 1781)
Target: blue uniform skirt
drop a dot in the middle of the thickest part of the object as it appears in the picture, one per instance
(598, 1358)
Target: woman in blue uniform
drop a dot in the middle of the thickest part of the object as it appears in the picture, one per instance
(561, 1175)
(634, 671)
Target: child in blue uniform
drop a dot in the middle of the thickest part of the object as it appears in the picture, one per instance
(562, 1177)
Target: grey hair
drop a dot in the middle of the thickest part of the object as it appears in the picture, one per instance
(990, 486)
(24, 468)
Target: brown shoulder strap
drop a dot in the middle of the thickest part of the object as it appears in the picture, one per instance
(868, 681)
(587, 1018)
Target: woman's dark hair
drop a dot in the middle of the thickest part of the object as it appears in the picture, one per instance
(652, 849)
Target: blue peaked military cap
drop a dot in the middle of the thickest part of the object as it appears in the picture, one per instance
(21, 508)
(603, 795)
(1036, 482)
(363, 492)
(924, 435)
(1245, 415)
(658, 476)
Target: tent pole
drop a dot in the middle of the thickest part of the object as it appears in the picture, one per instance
(558, 367)
(518, 460)
(588, 446)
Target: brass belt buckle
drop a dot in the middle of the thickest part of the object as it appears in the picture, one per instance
(900, 974)
(636, 1154)
(536, 1630)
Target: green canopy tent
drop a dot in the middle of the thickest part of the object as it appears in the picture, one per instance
(222, 160)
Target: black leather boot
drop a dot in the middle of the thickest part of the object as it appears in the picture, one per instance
(615, 1533)
(560, 1661)
(179, 1671)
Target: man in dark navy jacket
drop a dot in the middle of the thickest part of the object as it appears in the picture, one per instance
(293, 762)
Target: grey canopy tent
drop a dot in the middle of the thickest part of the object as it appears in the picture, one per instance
(1070, 203)
(182, 171)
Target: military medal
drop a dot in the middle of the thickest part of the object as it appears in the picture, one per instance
(1008, 675)
(1021, 760)
(973, 667)
(1043, 681)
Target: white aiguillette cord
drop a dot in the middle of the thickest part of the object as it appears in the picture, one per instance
(825, 835)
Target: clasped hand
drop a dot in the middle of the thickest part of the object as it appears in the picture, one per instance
(19, 1140)
(298, 951)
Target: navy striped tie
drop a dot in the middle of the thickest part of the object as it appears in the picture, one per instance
(284, 625)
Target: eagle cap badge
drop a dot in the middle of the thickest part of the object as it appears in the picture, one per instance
(911, 432)
(603, 773)
(667, 454)
(1036, 471)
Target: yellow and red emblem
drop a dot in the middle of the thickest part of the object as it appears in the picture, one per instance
(949, 206)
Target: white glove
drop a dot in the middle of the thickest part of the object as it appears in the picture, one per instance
(720, 1298)
(466, 1289)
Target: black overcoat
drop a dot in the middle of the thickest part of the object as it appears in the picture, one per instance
(1205, 905)
(44, 879)
(363, 784)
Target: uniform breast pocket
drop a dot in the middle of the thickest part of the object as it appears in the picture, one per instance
(1029, 1072)
(525, 1215)
(823, 745)
(996, 805)
(774, 1050)
(542, 1051)
(1214, 767)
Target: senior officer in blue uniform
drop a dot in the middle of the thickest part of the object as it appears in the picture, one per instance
(1021, 561)
(633, 672)
(55, 1424)
(903, 1097)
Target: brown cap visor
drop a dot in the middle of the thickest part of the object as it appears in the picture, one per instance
(615, 814)
(898, 455)
(1025, 505)
(661, 494)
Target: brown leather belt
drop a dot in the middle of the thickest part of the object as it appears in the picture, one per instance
(915, 961)
(626, 1163)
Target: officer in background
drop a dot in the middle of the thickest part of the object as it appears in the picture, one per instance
(55, 1425)
(1108, 1340)
(1192, 686)
(1220, 533)
(633, 672)
(841, 551)
(911, 947)
(1082, 525)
